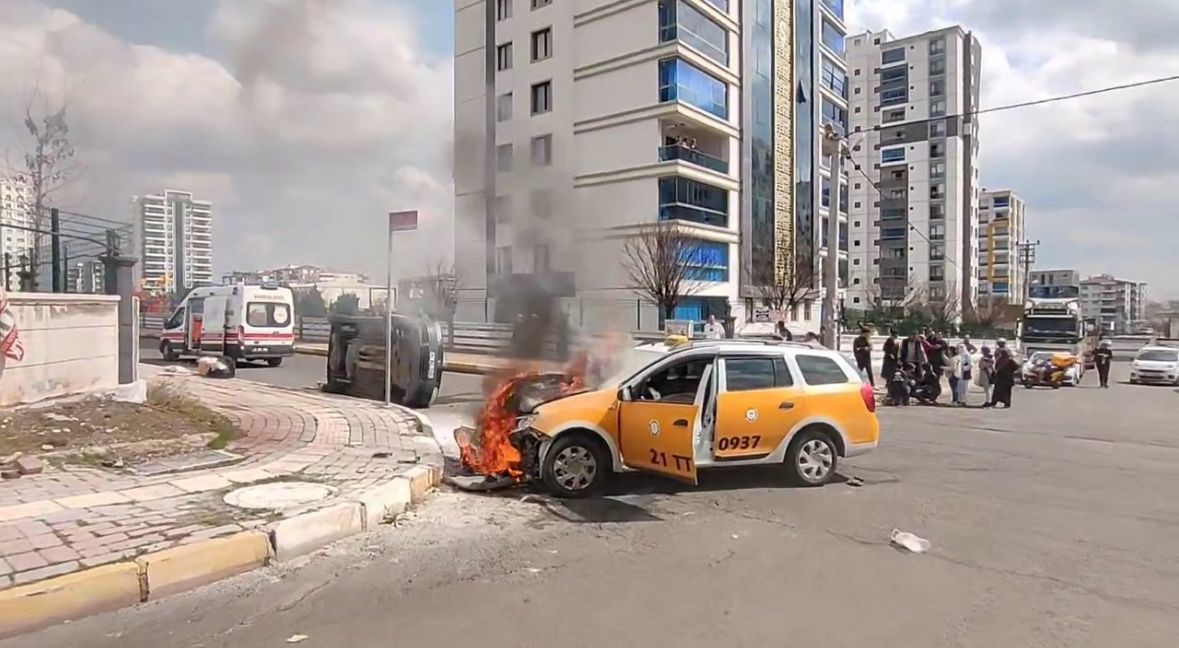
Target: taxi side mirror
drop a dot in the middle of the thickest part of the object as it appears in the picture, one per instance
(624, 393)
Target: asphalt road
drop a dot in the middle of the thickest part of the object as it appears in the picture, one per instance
(1052, 524)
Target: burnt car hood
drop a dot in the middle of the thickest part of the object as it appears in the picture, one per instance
(538, 390)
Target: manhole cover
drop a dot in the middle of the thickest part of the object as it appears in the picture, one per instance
(278, 496)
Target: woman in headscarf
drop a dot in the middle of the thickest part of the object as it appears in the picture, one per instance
(892, 351)
(1005, 370)
(986, 374)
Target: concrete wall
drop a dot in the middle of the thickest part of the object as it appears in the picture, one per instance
(70, 346)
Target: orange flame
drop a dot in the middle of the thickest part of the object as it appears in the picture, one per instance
(490, 452)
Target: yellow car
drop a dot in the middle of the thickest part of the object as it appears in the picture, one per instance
(704, 404)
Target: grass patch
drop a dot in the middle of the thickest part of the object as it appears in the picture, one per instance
(166, 398)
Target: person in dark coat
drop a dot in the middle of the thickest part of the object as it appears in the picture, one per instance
(1103, 358)
(783, 333)
(892, 352)
(913, 351)
(1005, 370)
(862, 349)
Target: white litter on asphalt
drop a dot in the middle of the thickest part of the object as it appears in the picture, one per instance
(296, 638)
(913, 543)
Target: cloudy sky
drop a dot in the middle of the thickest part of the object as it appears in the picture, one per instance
(306, 120)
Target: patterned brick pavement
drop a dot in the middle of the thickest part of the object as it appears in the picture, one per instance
(64, 520)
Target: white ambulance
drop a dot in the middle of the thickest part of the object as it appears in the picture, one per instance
(242, 322)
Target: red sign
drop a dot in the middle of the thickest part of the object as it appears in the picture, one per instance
(403, 221)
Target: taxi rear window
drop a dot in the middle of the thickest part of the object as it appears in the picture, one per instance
(821, 370)
(747, 374)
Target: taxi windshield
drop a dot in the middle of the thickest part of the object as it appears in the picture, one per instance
(631, 362)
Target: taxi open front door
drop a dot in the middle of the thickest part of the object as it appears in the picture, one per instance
(657, 437)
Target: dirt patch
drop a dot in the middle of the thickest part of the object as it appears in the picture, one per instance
(93, 430)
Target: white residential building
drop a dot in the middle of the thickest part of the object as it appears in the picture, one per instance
(577, 123)
(914, 207)
(174, 242)
(14, 243)
(1056, 278)
(1002, 276)
(1118, 306)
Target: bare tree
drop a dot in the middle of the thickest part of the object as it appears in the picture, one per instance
(47, 165)
(787, 289)
(442, 283)
(990, 311)
(659, 261)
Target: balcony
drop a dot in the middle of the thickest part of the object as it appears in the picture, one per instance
(687, 200)
(695, 146)
(679, 21)
(836, 7)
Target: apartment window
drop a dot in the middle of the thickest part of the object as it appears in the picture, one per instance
(892, 213)
(537, 4)
(937, 128)
(503, 9)
(833, 114)
(503, 260)
(892, 56)
(542, 150)
(835, 79)
(542, 44)
(503, 209)
(681, 21)
(937, 190)
(503, 107)
(937, 46)
(937, 231)
(937, 108)
(503, 57)
(937, 273)
(895, 194)
(832, 38)
(542, 97)
(682, 81)
(937, 170)
(888, 156)
(541, 261)
(894, 96)
(541, 202)
(706, 261)
(894, 74)
(1002, 201)
(891, 116)
(503, 158)
(937, 88)
(892, 233)
(937, 150)
(689, 200)
(937, 252)
(937, 67)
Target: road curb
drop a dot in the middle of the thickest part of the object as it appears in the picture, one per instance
(183, 568)
(302, 534)
(72, 596)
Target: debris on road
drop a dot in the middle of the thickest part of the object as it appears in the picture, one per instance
(29, 465)
(294, 639)
(913, 543)
(478, 483)
(213, 367)
(855, 482)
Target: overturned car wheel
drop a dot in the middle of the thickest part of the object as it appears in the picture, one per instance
(575, 466)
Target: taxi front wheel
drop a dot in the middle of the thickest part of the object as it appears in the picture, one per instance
(575, 466)
(812, 458)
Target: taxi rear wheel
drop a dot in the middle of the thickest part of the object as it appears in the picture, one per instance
(576, 466)
(812, 458)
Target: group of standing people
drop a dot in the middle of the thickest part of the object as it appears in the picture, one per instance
(914, 366)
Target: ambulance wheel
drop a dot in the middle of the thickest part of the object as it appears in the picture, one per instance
(576, 466)
(812, 457)
(168, 352)
(274, 362)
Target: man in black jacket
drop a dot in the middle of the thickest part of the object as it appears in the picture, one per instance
(862, 349)
(1103, 358)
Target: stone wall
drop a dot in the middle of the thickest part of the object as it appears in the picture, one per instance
(57, 345)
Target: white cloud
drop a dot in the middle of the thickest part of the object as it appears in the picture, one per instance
(316, 118)
(1096, 172)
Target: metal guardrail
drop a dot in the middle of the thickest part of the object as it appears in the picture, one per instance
(484, 338)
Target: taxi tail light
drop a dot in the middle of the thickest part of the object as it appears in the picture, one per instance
(869, 396)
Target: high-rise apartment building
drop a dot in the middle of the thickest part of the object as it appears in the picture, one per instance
(1118, 306)
(579, 123)
(914, 199)
(1002, 277)
(174, 241)
(15, 242)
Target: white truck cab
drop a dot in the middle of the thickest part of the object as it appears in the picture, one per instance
(242, 322)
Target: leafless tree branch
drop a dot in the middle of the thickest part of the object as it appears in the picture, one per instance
(658, 261)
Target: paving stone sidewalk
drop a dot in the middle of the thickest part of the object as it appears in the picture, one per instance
(70, 519)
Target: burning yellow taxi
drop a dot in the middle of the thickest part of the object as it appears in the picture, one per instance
(696, 405)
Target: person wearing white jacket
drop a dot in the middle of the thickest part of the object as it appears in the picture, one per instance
(963, 371)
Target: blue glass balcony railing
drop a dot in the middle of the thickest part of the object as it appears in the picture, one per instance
(682, 212)
(692, 156)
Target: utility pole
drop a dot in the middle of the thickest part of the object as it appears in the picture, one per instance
(1027, 256)
(833, 146)
(57, 282)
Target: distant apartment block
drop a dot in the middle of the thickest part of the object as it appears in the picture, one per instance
(294, 274)
(1056, 278)
(1119, 306)
(914, 206)
(1001, 221)
(15, 243)
(174, 240)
